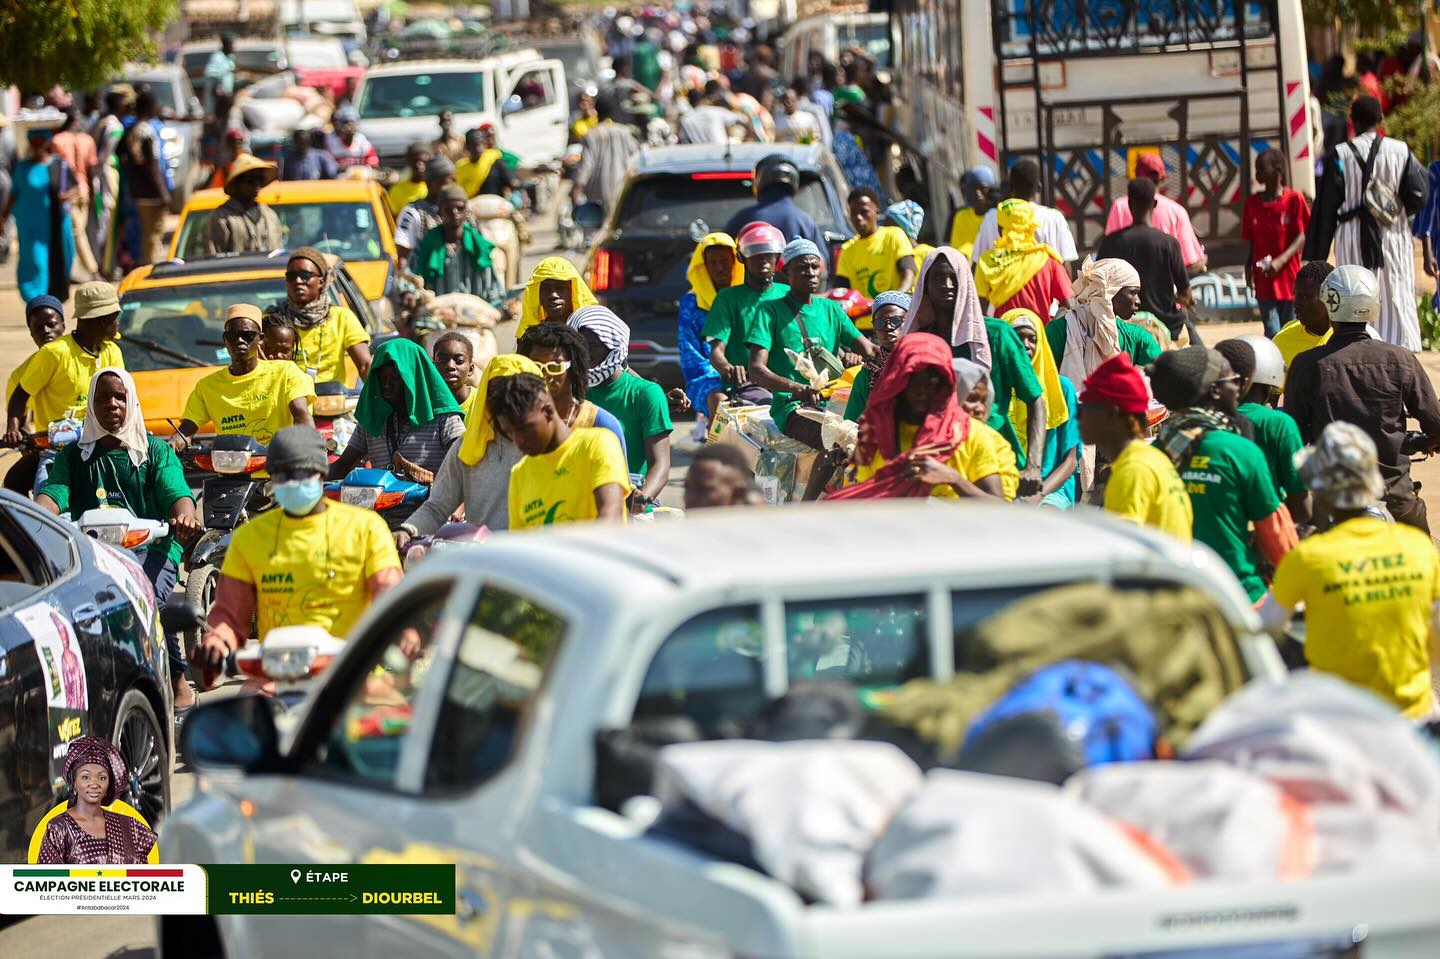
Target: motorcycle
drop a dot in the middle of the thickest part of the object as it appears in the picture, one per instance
(446, 537)
(334, 411)
(231, 495)
(394, 497)
(117, 526)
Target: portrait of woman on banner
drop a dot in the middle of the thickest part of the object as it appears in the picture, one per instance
(93, 826)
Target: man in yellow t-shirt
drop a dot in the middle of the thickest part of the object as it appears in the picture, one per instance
(310, 562)
(1311, 327)
(978, 188)
(1369, 586)
(1144, 486)
(251, 397)
(878, 258)
(325, 333)
(411, 187)
(567, 475)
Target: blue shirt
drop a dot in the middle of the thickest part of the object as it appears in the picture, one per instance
(314, 165)
(779, 209)
(1427, 223)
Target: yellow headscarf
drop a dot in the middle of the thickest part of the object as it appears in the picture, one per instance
(479, 431)
(699, 277)
(552, 268)
(1016, 256)
(1056, 411)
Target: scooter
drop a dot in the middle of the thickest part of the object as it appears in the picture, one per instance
(393, 497)
(117, 526)
(334, 411)
(229, 497)
(445, 538)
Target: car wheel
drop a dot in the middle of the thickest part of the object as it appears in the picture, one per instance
(142, 744)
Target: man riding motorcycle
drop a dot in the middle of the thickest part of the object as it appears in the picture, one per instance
(312, 562)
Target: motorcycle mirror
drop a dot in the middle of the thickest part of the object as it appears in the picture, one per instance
(179, 615)
(698, 229)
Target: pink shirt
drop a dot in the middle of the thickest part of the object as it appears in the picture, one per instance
(1169, 217)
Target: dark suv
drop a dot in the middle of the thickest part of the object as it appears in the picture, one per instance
(638, 262)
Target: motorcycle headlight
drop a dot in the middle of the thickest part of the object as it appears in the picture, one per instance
(288, 664)
(229, 461)
(332, 404)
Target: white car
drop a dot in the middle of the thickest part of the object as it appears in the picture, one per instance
(521, 93)
(482, 752)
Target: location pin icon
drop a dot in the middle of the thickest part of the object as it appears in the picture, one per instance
(295, 875)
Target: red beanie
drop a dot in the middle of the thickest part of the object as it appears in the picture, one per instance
(1117, 383)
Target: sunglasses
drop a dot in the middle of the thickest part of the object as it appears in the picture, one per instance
(244, 336)
(890, 324)
(555, 367)
(304, 276)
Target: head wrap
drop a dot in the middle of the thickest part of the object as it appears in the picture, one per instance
(132, 435)
(93, 750)
(966, 323)
(1015, 258)
(1180, 378)
(1043, 362)
(479, 430)
(978, 176)
(1091, 333)
(427, 392)
(968, 375)
(551, 268)
(1151, 166)
(1116, 382)
(297, 448)
(945, 423)
(891, 298)
(346, 114)
(613, 332)
(699, 277)
(908, 215)
(797, 248)
(1342, 468)
(759, 237)
(317, 311)
(43, 301)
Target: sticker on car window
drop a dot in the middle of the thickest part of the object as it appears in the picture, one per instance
(66, 693)
(362, 218)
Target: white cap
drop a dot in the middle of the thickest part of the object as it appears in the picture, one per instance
(1351, 294)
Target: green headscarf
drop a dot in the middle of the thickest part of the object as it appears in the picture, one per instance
(429, 396)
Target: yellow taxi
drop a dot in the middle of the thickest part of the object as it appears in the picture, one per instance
(349, 218)
(172, 318)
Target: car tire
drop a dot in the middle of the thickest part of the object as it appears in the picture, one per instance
(200, 585)
(144, 746)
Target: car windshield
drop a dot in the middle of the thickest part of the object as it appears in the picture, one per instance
(317, 54)
(422, 95)
(579, 66)
(187, 320)
(165, 93)
(671, 202)
(873, 38)
(348, 230)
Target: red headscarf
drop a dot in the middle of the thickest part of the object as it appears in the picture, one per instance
(878, 431)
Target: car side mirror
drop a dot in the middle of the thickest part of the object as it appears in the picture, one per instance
(589, 215)
(234, 733)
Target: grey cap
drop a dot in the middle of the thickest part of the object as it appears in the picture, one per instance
(297, 448)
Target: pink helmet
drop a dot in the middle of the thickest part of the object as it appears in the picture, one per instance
(759, 237)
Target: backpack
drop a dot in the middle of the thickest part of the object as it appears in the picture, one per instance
(1378, 198)
(1096, 708)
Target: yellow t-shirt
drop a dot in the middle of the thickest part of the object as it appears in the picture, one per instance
(406, 192)
(1004, 457)
(964, 228)
(468, 407)
(311, 570)
(255, 404)
(559, 486)
(57, 377)
(973, 459)
(1293, 339)
(16, 375)
(922, 253)
(869, 261)
(320, 350)
(1367, 586)
(1145, 488)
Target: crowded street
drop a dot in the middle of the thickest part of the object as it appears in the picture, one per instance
(804, 480)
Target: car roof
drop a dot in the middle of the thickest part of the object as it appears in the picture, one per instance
(151, 71)
(221, 269)
(445, 65)
(698, 158)
(241, 43)
(736, 548)
(283, 192)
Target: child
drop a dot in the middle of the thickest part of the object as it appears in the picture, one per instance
(972, 384)
(45, 318)
(410, 188)
(878, 258)
(277, 336)
(978, 185)
(567, 475)
(1274, 221)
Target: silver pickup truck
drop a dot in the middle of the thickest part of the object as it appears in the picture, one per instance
(480, 749)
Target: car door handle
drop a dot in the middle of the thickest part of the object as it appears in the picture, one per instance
(87, 620)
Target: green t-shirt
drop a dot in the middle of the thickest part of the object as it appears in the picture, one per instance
(1230, 487)
(640, 407)
(775, 328)
(1135, 340)
(731, 314)
(1012, 374)
(148, 490)
(1278, 436)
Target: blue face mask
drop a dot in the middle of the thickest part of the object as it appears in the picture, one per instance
(298, 497)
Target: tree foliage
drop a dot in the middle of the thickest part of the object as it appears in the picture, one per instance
(1364, 15)
(79, 44)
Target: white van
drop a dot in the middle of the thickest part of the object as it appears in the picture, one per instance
(333, 18)
(522, 93)
(828, 35)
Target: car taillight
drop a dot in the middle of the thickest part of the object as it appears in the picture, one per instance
(609, 270)
(723, 175)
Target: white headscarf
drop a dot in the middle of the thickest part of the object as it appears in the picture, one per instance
(132, 435)
(967, 323)
(1093, 336)
(613, 332)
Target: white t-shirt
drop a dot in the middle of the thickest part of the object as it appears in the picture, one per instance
(1051, 228)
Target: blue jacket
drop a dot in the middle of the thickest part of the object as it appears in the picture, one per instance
(777, 208)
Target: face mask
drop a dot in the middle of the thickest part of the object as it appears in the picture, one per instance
(299, 496)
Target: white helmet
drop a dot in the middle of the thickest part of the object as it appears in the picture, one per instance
(1269, 364)
(1351, 294)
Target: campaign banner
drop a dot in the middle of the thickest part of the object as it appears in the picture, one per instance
(88, 890)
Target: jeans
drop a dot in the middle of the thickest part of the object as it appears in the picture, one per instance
(163, 572)
(42, 470)
(1275, 314)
